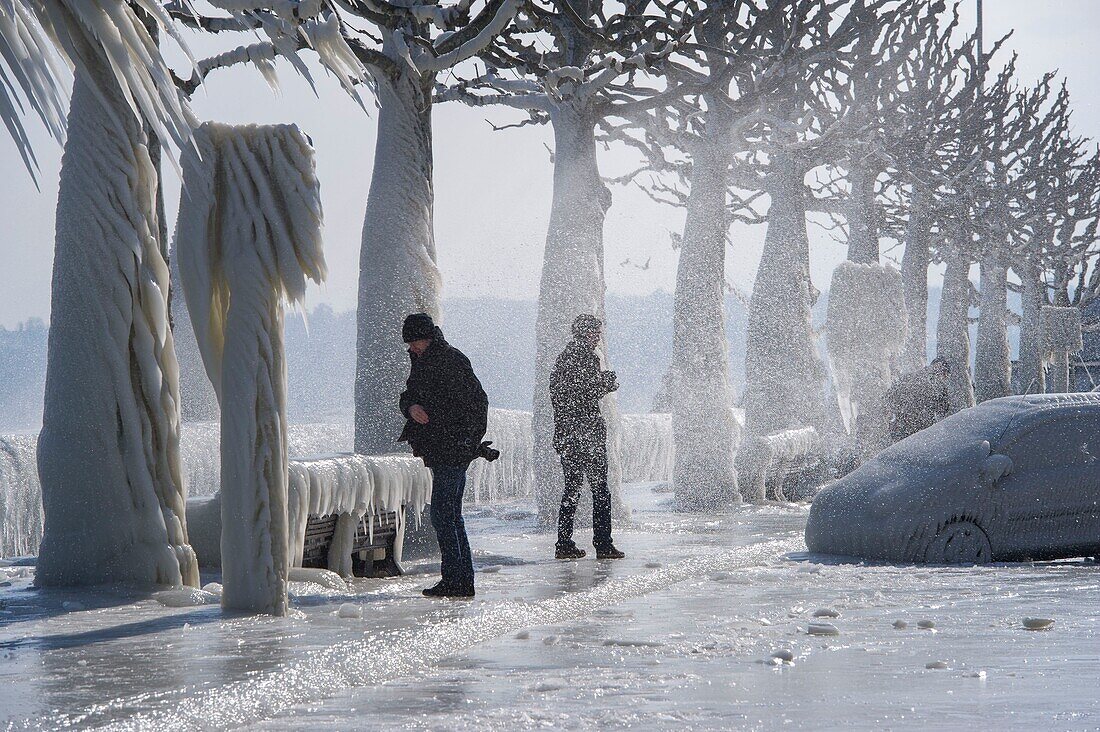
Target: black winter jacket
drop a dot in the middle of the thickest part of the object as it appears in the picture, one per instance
(576, 386)
(442, 381)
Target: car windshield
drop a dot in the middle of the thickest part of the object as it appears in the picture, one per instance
(957, 436)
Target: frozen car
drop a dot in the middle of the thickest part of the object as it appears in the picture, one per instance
(1011, 479)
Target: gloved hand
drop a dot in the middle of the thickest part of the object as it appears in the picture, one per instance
(611, 381)
(484, 451)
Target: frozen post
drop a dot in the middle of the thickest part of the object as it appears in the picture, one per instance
(1061, 333)
(248, 236)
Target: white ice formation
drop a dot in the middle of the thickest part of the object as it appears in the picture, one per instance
(866, 327)
(763, 462)
(646, 444)
(347, 485)
(248, 237)
(355, 486)
(108, 452)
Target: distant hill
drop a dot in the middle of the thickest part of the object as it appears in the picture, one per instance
(497, 334)
(499, 337)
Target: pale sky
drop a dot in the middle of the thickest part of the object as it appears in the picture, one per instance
(492, 188)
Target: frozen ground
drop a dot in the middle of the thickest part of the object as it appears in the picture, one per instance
(679, 635)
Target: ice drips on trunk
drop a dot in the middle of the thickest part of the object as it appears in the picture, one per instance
(397, 269)
(953, 330)
(1031, 362)
(108, 453)
(914, 278)
(198, 403)
(572, 283)
(866, 327)
(249, 235)
(702, 418)
(992, 362)
(783, 377)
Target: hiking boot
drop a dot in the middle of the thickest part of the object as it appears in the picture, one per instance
(569, 552)
(609, 553)
(436, 590)
(442, 590)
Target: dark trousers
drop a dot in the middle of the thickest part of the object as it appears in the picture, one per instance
(448, 485)
(577, 464)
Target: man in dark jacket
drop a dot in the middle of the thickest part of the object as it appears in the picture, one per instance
(917, 400)
(580, 436)
(446, 410)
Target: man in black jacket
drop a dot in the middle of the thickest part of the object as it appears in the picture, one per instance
(580, 436)
(446, 410)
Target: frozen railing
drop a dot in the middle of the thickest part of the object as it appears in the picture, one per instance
(764, 462)
(646, 444)
(347, 485)
(647, 448)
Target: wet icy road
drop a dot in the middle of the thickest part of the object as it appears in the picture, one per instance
(679, 634)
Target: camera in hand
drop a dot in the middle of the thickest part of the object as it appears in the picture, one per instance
(485, 451)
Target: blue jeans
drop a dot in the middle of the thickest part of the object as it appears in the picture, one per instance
(457, 566)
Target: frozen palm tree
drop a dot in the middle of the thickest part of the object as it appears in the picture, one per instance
(108, 452)
(248, 237)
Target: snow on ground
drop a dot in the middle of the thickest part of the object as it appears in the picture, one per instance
(680, 634)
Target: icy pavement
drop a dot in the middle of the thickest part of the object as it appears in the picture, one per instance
(688, 631)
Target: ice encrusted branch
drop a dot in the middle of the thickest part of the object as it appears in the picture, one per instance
(505, 10)
(33, 31)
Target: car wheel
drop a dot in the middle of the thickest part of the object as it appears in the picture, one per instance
(959, 542)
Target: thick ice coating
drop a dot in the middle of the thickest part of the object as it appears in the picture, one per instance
(249, 235)
(1013, 478)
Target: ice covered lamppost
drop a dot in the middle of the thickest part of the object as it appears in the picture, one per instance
(248, 237)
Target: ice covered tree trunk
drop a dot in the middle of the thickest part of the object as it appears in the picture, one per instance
(249, 235)
(862, 233)
(914, 276)
(1031, 362)
(702, 418)
(108, 454)
(198, 403)
(866, 327)
(397, 270)
(783, 376)
(953, 330)
(254, 459)
(992, 362)
(572, 283)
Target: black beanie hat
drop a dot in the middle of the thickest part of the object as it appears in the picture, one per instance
(416, 327)
(586, 325)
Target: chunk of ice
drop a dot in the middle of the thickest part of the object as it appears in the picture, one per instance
(185, 597)
(350, 610)
(822, 629)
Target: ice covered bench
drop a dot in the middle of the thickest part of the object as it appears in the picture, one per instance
(346, 512)
(768, 463)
